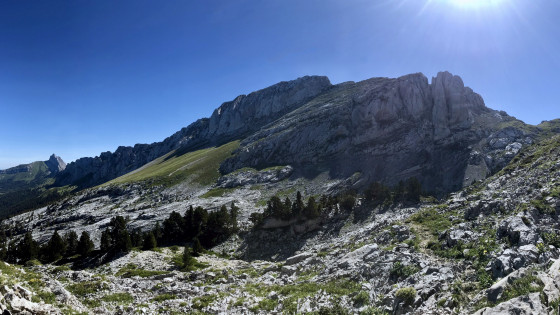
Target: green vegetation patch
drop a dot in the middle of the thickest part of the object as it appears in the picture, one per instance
(88, 287)
(434, 221)
(522, 286)
(407, 295)
(361, 299)
(131, 270)
(203, 301)
(217, 192)
(294, 292)
(194, 264)
(120, 298)
(265, 304)
(47, 297)
(400, 270)
(164, 297)
(201, 167)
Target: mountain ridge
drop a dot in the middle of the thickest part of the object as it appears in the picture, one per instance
(323, 209)
(204, 132)
(384, 129)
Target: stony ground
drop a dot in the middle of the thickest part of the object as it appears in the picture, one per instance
(491, 248)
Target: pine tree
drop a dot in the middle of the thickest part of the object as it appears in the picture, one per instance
(3, 245)
(187, 258)
(27, 248)
(71, 239)
(298, 206)
(413, 189)
(234, 210)
(123, 242)
(188, 224)
(106, 241)
(13, 252)
(56, 248)
(311, 210)
(85, 244)
(120, 238)
(158, 234)
(200, 218)
(377, 192)
(136, 238)
(197, 247)
(149, 241)
(173, 228)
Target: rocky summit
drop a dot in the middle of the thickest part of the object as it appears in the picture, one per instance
(386, 196)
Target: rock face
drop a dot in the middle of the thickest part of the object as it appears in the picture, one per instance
(233, 120)
(55, 164)
(384, 129)
(387, 130)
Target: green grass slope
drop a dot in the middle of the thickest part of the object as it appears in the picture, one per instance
(200, 167)
(36, 176)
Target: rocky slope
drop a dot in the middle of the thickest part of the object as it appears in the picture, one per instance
(491, 248)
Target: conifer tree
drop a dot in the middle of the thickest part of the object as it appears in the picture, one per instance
(187, 258)
(234, 210)
(200, 218)
(85, 244)
(173, 228)
(298, 206)
(71, 239)
(56, 248)
(106, 241)
(149, 241)
(197, 247)
(311, 210)
(158, 234)
(188, 224)
(27, 248)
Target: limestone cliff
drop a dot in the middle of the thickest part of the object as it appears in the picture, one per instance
(386, 130)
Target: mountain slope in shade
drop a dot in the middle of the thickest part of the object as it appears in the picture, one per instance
(389, 130)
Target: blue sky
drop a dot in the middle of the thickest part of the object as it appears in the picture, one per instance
(81, 77)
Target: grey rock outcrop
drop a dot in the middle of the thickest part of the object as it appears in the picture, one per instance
(55, 164)
(523, 305)
(385, 129)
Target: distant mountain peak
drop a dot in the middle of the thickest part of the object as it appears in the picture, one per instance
(55, 164)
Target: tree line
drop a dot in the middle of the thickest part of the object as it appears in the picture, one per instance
(408, 191)
(197, 226)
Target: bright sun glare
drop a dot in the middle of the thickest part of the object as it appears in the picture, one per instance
(475, 4)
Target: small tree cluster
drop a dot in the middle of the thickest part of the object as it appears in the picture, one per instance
(197, 223)
(116, 238)
(56, 248)
(288, 210)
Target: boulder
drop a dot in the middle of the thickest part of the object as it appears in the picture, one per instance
(517, 231)
(524, 305)
(297, 258)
